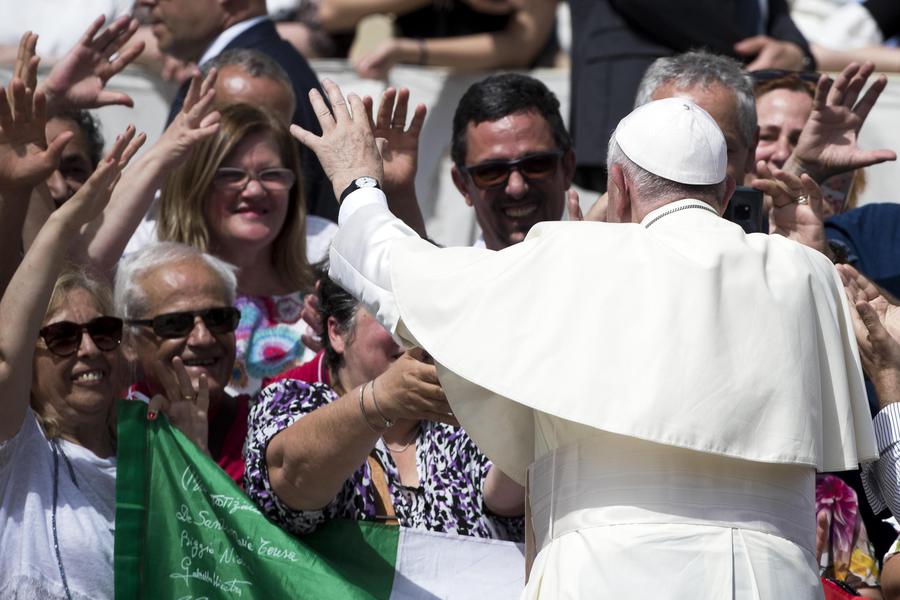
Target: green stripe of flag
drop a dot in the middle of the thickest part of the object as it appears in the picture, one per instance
(185, 530)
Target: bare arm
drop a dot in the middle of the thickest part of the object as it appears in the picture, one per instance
(25, 162)
(25, 299)
(514, 47)
(884, 58)
(503, 496)
(106, 238)
(338, 16)
(309, 461)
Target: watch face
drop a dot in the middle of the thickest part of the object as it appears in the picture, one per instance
(366, 182)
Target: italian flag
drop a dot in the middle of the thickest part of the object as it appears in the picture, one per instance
(185, 530)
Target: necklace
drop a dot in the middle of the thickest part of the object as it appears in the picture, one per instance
(404, 447)
(680, 208)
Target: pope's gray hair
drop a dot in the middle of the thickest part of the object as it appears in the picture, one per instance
(648, 187)
(704, 69)
(129, 296)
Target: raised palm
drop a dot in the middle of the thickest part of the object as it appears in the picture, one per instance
(401, 148)
(25, 159)
(79, 79)
(829, 142)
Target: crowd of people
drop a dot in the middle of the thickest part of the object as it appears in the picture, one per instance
(642, 393)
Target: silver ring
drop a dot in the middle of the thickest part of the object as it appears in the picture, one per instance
(802, 199)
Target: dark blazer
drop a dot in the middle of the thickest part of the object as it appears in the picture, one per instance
(264, 38)
(614, 41)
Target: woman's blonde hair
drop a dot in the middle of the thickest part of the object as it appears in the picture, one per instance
(73, 277)
(181, 215)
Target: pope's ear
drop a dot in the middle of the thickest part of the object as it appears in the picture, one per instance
(619, 205)
(460, 180)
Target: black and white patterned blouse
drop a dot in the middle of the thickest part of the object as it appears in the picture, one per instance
(451, 471)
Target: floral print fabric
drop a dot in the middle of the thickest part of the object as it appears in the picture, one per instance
(267, 340)
(848, 555)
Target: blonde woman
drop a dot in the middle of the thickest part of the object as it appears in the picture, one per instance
(238, 195)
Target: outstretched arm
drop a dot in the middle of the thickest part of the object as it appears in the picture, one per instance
(829, 142)
(876, 322)
(25, 299)
(106, 238)
(514, 47)
(359, 259)
(25, 162)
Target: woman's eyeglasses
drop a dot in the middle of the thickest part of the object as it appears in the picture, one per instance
(495, 173)
(235, 180)
(63, 338)
(180, 324)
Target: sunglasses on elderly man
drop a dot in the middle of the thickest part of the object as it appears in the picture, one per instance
(764, 75)
(63, 338)
(180, 324)
(236, 180)
(495, 173)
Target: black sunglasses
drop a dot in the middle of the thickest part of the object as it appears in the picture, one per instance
(495, 173)
(180, 324)
(764, 75)
(63, 338)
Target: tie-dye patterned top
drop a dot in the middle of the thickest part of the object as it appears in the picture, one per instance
(267, 340)
(451, 471)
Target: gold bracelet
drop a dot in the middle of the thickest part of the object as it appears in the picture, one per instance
(362, 410)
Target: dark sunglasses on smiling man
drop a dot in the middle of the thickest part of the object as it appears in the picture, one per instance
(222, 319)
(63, 338)
(495, 173)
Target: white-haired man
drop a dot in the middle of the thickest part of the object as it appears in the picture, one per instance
(699, 376)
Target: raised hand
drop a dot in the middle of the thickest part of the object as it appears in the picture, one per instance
(25, 157)
(876, 322)
(346, 149)
(78, 81)
(195, 122)
(186, 408)
(27, 62)
(797, 206)
(90, 200)
(829, 142)
(400, 151)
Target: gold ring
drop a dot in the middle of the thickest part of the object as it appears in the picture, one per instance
(802, 199)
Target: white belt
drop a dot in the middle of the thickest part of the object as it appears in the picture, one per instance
(616, 480)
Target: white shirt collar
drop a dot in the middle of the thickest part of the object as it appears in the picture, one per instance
(227, 36)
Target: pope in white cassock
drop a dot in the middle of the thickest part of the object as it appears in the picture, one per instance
(667, 385)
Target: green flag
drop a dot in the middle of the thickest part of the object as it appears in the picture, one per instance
(185, 530)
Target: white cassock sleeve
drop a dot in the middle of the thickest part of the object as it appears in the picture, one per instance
(881, 479)
(360, 255)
